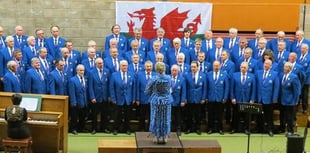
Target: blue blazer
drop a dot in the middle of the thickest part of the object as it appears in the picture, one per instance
(234, 54)
(251, 44)
(268, 89)
(22, 44)
(229, 68)
(298, 70)
(255, 54)
(144, 44)
(152, 57)
(99, 88)
(206, 67)
(273, 45)
(218, 90)
(243, 92)
(131, 68)
(166, 45)
(178, 91)
(305, 61)
(11, 83)
(21, 71)
(85, 55)
(297, 49)
(204, 46)
(57, 84)
(226, 43)
(3, 44)
(4, 59)
(122, 42)
(193, 56)
(212, 55)
(122, 94)
(191, 44)
(86, 63)
(38, 43)
(108, 63)
(28, 55)
(54, 50)
(50, 66)
(76, 58)
(252, 65)
(70, 69)
(34, 84)
(172, 59)
(141, 81)
(129, 53)
(290, 90)
(196, 92)
(186, 69)
(78, 93)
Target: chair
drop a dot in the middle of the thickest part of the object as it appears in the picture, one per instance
(20, 145)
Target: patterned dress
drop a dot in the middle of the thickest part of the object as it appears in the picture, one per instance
(15, 117)
(160, 101)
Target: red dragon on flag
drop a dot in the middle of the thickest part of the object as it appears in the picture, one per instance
(172, 22)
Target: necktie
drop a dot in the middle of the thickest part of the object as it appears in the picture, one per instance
(66, 64)
(115, 64)
(41, 43)
(280, 55)
(124, 78)
(2, 42)
(265, 76)
(46, 65)
(260, 53)
(136, 68)
(91, 63)
(34, 51)
(55, 43)
(240, 52)
(160, 39)
(284, 79)
(62, 76)
(148, 75)
(180, 67)
(19, 40)
(256, 43)
(116, 37)
(194, 78)
(231, 43)
(218, 54)
(100, 74)
(208, 46)
(302, 57)
(41, 75)
(243, 78)
(82, 82)
(215, 77)
(186, 43)
(200, 67)
(173, 81)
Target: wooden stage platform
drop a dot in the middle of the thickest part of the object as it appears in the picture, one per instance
(143, 144)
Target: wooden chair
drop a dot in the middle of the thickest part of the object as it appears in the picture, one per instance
(20, 145)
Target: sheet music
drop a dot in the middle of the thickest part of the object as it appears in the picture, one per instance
(30, 104)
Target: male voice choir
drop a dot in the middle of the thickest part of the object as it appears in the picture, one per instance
(211, 75)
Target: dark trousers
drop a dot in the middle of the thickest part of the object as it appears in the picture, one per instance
(215, 115)
(78, 118)
(121, 113)
(194, 116)
(238, 117)
(304, 97)
(101, 108)
(265, 120)
(144, 113)
(288, 113)
(176, 118)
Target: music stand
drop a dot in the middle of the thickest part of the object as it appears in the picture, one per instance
(250, 109)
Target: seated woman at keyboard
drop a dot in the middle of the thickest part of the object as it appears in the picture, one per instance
(15, 116)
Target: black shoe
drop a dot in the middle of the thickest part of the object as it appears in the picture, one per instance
(221, 132)
(74, 132)
(114, 132)
(210, 132)
(232, 131)
(106, 131)
(270, 133)
(128, 132)
(198, 132)
(289, 134)
(93, 132)
(179, 132)
(187, 131)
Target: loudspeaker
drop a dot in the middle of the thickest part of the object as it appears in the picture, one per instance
(295, 144)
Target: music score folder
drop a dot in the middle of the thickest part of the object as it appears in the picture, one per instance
(31, 103)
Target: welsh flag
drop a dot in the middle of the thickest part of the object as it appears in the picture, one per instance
(172, 16)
